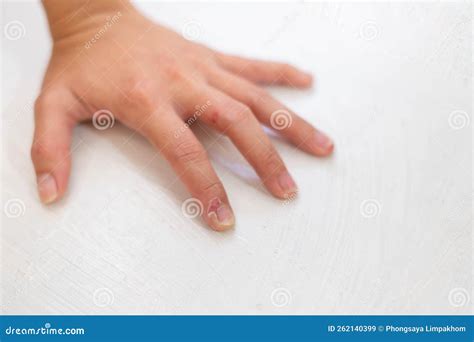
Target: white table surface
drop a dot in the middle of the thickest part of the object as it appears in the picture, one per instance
(382, 227)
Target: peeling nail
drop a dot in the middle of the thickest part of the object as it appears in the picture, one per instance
(220, 214)
(47, 188)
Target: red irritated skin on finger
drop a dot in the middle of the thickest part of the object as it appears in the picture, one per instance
(152, 80)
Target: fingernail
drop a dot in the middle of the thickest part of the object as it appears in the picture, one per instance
(287, 183)
(220, 214)
(322, 141)
(47, 188)
(225, 215)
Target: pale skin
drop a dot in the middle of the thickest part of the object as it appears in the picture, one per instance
(152, 79)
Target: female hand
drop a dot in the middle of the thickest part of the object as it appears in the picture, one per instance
(108, 57)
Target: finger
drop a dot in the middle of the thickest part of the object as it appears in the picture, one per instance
(274, 114)
(189, 159)
(51, 143)
(266, 72)
(237, 121)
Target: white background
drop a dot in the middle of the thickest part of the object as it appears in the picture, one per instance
(382, 227)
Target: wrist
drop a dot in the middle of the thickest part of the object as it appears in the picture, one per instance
(67, 18)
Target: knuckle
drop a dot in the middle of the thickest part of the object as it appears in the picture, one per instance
(44, 150)
(230, 115)
(45, 101)
(187, 152)
(213, 189)
(204, 64)
(255, 68)
(140, 94)
(173, 71)
(40, 104)
(240, 114)
(38, 150)
(257, 95)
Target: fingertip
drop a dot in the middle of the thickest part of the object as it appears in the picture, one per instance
(320, 144)
(47, 188)
(220, 216)
(330, 150)
(305, 80)
(297, 78)
(220, 226)
(282, 186)
(322, 152)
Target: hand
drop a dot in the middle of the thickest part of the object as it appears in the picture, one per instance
(158, 84)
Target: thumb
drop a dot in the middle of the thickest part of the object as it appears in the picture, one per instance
(51, 143)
